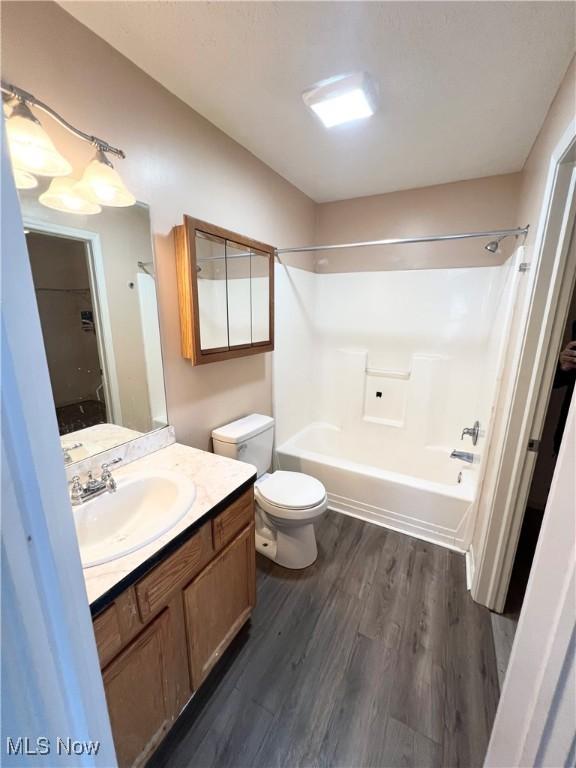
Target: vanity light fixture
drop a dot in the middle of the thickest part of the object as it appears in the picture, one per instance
(24, 180)
(342, 99)
(103, 182)
(30, 146)
(33, 154)
(69, 196)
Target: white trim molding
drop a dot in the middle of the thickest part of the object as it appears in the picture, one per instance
(523, 404)
(51, 682)
(97, 276)
(535, 723)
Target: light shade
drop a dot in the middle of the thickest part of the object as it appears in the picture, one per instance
(105, 184)
(31, 149)
(24, 180)
(69, 196)
(342, 99)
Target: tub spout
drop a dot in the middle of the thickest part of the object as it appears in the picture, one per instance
(464, 456)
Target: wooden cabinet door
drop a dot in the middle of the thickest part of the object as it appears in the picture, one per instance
(137, 685)
(218, 602)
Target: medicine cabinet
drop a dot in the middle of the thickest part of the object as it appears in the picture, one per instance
(225, 292)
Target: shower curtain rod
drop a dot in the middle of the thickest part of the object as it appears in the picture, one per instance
(497, 233)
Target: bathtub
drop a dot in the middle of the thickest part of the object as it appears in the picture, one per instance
(383, 479)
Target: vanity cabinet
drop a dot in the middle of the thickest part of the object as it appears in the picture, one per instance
(218, 602)
(225, 292)
(160, 638)
(137, 686)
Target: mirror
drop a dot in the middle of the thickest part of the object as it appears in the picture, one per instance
(211, 271)
(226, 293)
(260, 276)
(239, 290)
(95, 287)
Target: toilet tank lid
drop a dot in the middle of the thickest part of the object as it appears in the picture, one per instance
(243, 429)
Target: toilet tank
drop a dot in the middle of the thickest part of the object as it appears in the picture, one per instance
(249, 439)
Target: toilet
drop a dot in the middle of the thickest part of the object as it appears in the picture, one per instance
(287, 503)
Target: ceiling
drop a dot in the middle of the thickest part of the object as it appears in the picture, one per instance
(464, 86)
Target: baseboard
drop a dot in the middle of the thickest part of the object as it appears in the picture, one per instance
(469, 568)
(394, 522)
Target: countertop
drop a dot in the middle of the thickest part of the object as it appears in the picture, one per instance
(219, 481)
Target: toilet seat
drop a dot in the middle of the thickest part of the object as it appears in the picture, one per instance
(295, 493)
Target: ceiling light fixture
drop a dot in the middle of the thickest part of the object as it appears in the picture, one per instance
(33, 154)
(342, 99)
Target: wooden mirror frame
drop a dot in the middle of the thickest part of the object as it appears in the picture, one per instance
(187, 277)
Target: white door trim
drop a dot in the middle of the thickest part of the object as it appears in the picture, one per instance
(51, 681)
(99, 291)
(534, 724)
(546, 307)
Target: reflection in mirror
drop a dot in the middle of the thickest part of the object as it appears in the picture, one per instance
(260, 298)
(238, 281)
(211, 269)
(96, 294)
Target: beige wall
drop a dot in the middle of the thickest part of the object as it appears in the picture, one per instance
(464, 206)
(178, 163)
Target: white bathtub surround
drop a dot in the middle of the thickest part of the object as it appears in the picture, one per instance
(384, 371)
(110, 442)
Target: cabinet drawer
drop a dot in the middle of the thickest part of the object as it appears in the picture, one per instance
(154, 590)
(108, 635)
(232, 520)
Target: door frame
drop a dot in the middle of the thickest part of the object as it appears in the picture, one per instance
(51, 681)
(552, 272)
(97, 277)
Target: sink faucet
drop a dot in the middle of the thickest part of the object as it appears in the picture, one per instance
(93, 487)
(464, 456)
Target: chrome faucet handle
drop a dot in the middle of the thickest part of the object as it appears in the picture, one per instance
(106, 477)
(473, 432)
(76, 491)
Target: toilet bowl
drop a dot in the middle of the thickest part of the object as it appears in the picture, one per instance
(287, 503)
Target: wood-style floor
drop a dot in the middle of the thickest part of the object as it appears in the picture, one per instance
(374, 656)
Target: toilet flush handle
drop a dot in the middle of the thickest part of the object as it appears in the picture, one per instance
(242, 447)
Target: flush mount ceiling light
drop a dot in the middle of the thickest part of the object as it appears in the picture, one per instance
(342, 99)
(69, 196)
(33, 154)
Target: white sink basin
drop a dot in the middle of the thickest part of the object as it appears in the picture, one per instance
(143, 507)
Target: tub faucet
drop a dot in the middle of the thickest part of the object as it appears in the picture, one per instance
(463, 456)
